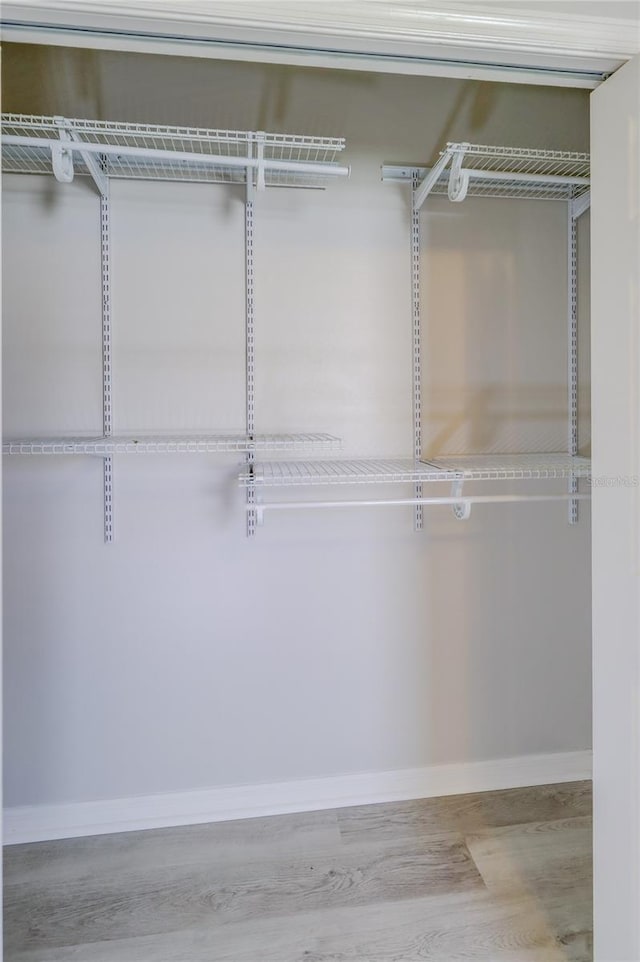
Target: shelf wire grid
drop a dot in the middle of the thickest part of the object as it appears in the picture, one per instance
(523, 166)
(179, 140)
(455, 468)
(160, 444)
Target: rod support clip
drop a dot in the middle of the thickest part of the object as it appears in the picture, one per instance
(462, 510)
(61, 156)
(458, 178)
(258, 501)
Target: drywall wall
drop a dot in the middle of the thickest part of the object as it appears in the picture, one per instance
(185, 656)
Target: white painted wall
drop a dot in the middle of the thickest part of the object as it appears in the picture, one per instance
(184, 656)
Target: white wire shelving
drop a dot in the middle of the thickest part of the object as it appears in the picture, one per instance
(455, 470)
(185, 444)
(150, 152)
(256, 159)
(106, 151)
(480, 170)
(486, 467)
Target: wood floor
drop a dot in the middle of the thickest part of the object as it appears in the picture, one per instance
(495, 877)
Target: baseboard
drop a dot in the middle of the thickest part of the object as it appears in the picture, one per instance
(35, 823)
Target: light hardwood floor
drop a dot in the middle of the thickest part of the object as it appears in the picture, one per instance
(494, 877)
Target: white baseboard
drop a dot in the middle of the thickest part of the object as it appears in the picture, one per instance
(36, 823)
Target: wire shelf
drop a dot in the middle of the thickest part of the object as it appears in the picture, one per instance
(510, 467)
(148, 152)
(526, 161)
(514, 190)
(524, 171)
(515, 172)
(465, 467)
(188, 444)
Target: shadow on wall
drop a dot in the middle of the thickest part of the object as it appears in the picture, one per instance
(418, 114)
(50, 81)
(479, 100)
(496, 418)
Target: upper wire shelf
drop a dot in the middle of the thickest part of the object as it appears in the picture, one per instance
(149, 152)
(499, 467)
(186, 444)
(481, 170)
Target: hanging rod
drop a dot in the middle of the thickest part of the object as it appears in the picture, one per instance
(392, 502)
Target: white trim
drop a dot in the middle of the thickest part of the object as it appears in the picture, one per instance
(371, 23)
(34, 823)
(463, 69)
(463, 39)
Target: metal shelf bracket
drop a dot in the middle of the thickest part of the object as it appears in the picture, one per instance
(422, 192)
(580, 204)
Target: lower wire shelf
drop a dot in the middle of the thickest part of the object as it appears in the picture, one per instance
(483, 467)
(457, 470)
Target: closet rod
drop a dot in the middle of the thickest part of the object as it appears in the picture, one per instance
(463, 499)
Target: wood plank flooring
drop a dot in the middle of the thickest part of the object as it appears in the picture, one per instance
(493, 877)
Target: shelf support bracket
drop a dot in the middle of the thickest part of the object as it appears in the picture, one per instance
(580, 204)
(461, 510)
(100, 179)
(421, 193)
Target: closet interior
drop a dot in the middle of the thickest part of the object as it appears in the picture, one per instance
(338, 292)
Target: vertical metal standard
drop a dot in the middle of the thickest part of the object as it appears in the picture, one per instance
(572, 369)
(107, 408)
(250, 344)
(417, 362)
